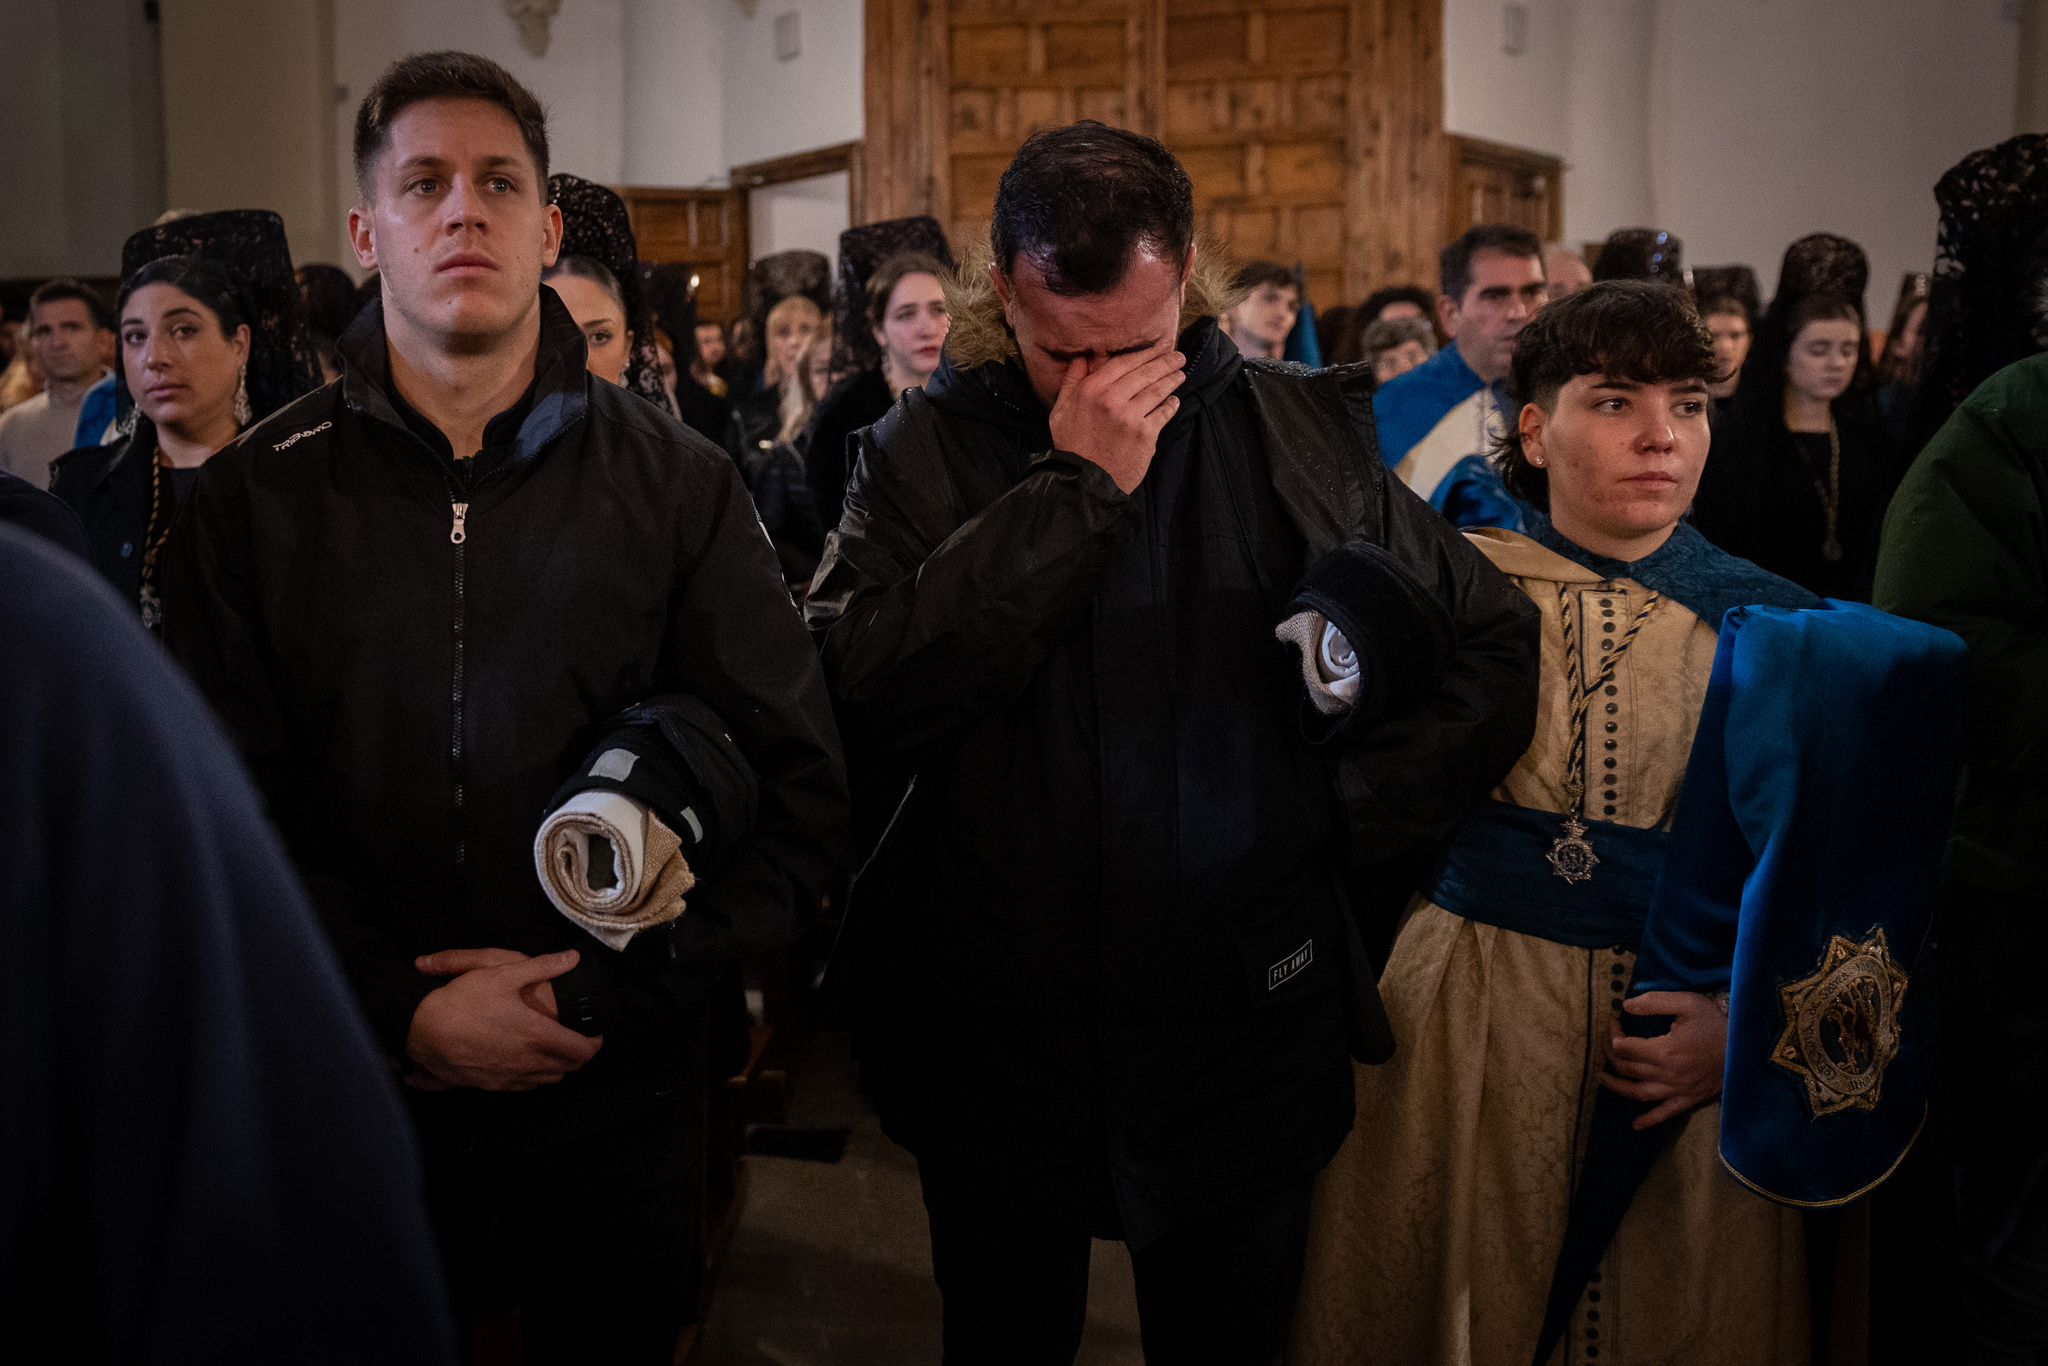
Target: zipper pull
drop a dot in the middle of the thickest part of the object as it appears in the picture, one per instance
(457, 534)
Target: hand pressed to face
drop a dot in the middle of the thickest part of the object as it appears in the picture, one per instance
(1103, 363)
(1623, 459)
(457, 222)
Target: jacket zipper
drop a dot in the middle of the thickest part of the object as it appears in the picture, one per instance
(458, 536)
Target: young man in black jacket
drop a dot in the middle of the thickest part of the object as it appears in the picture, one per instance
(414, 596)
(1107, 971)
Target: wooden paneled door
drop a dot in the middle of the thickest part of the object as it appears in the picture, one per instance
(703, 229)
(1312, 129)
(1492, 183)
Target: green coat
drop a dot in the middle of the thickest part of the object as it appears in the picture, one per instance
(1965, 546)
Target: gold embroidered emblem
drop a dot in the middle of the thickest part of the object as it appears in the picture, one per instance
(1842, 1024)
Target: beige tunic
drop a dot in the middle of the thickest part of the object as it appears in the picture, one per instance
(1437, 1225)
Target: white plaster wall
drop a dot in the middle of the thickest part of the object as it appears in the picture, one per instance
(675, 93)
(1743, 124)
(1519, 100)
(808, 214)
(247, 89)
(775, 108)
(1607, 143)
(581, 80)
(1783, 117)
(82, 162)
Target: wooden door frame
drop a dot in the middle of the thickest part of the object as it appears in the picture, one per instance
(845, 156)
(735, 206)
(1396, 190)
(1460, 150)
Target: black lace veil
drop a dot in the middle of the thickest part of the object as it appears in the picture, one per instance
(772, 279)
(672, 298)
(1730, 282)
(595, 224)
(1990, 262)
(862, 251)
(251, 245)
(1642, 254)
(1819, 263)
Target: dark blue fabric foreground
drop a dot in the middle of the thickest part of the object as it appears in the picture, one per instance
(1814, 809)
(202, 1153)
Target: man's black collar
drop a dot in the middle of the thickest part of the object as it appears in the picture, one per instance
(555, 402)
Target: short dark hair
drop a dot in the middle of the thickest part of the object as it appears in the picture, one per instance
(1377, 301)
(50, 291)
(446, 75)
(1384, 334)
(890, 274)
(328, 297)
(1636, 330)
(1455, 265)
(1080, 201)
(1258, 274)
(207, 281)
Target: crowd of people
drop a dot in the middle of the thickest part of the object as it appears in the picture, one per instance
(1447, 824)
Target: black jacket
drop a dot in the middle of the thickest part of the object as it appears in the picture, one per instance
(414, 654)
(109, 488)
(858, 401)
(1106, 928)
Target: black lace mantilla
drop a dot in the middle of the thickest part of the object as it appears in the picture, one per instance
(1819, 263)
(596, 224)
(862, 251)
(1990, 262)
(774, 278)
(1730, 282)
(1642, 254)
(251, 245)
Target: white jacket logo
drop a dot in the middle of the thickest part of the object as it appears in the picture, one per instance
(296, 437)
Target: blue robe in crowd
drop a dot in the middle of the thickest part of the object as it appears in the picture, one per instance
(1437, 425)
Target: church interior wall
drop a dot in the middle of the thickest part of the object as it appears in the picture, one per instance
(1740, 124)
(82, 159)
(775, 108)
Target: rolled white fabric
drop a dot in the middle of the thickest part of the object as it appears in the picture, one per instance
(612, 866)
(1329, 666)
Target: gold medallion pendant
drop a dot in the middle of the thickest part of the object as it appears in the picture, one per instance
(1571, 854)
(1842, 1024)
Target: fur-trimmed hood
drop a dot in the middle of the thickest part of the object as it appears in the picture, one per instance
(981, 335)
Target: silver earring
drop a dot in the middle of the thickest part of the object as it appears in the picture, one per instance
(242, 410)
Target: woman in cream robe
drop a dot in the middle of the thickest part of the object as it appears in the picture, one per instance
(1437, 1225)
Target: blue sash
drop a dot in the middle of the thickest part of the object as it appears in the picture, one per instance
(1497, 872)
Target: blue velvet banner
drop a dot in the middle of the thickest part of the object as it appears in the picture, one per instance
(1805, 853)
